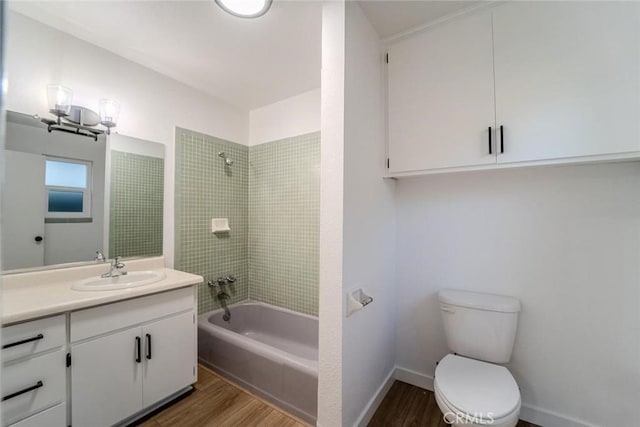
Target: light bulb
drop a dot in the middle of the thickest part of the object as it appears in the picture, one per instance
(109, 112)
(59, 99)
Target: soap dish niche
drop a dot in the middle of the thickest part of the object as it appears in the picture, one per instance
(220, 225)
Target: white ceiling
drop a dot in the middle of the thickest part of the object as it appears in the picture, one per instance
(246, 62)
(391, 17)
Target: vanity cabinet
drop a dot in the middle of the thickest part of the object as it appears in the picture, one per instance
(130, 355)
(520, 82)
(34, 387)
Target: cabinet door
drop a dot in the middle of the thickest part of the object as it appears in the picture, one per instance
(441, 98)
(169, 356)
(567, 78)
(106, 379)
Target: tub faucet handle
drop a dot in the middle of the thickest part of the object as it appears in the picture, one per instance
(230, 279)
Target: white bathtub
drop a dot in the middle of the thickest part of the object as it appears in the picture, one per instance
(270, 351)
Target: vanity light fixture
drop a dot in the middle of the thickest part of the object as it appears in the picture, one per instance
(245, 8)
(76, 119)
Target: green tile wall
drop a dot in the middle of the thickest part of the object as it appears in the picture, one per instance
(271, 196)
(284, 209)
(206, 188)
(135, 209)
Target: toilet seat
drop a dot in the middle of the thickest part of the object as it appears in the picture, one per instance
(484, 391)
(449, 413)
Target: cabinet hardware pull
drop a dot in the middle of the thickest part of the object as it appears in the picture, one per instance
(23, 391)
(138, 350)
(501, 139)
(490, 150)
(13, 344)
(148, 347)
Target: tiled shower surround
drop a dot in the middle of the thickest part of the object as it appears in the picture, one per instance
(136, 201)
(284, 220)
(206, 188)
(271, 196)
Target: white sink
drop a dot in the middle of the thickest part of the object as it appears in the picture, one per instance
(130, 280)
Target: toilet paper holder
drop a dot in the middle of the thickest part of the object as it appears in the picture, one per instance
(357, 300)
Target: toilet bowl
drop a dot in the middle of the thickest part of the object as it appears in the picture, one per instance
(470, 392)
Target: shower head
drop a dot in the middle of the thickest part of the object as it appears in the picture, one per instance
(227, 160)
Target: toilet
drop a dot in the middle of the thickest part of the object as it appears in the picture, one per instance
(470, 386)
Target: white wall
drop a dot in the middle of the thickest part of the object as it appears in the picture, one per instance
(151, 104)
(331, 311)
(369, 226)
(566, 242)
(356, 222)
(293, 116)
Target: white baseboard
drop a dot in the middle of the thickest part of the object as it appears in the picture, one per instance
(414, 378)
(543, 417)
(529, 413)
(375, 401)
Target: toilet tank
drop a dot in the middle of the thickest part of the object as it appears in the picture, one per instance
(480, 326)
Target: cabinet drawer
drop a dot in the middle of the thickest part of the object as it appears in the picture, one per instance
(52, 417)
(99, 320)
(46, 374)
(26, 339)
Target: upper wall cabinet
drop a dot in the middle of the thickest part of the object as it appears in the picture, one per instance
(440, 97)
(555, 81)
(567, 78)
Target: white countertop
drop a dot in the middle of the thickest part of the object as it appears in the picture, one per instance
(31, 295)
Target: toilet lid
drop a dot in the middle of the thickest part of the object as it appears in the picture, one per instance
(477, 388)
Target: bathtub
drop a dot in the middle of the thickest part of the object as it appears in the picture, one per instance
(270, 351)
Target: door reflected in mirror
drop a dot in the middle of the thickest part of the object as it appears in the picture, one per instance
(67, 196)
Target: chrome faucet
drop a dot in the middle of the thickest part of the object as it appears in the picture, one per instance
(115, 270)
(218, 283)
(100, 257)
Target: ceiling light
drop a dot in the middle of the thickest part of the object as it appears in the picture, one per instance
(245, 8)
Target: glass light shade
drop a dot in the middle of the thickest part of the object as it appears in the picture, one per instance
(109, 112)
(59, 99)
(245, 8)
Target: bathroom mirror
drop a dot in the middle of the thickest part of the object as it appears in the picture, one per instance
(66, 196)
